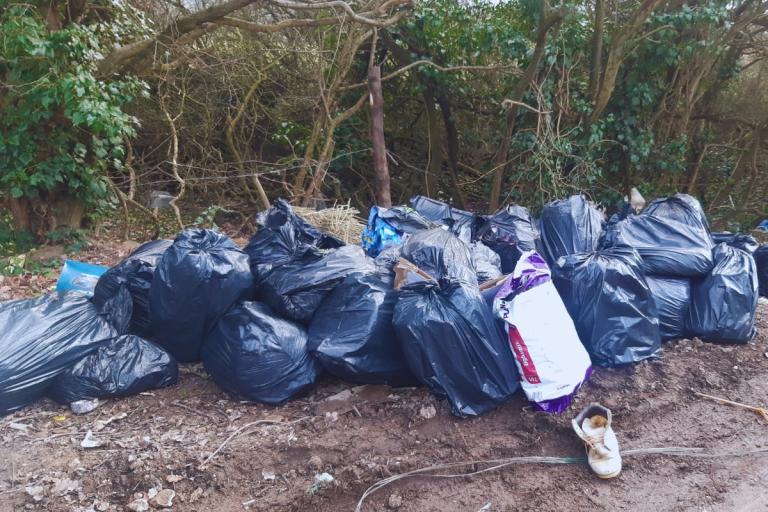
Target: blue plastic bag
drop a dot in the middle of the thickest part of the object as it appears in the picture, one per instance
(80, 277)
(387, 227)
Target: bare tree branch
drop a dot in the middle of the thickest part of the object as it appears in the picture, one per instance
(444, 69)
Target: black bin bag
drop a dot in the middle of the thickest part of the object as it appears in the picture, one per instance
(509, 232)
(673, 298)
(453, 345)
(352, 335)
(740, 241)
(667, 247)
(40, 338)
(197, 280)
(281, 235)
(254, 355)
(136, 273)
(440, 254)
(569, 226)
(681, 208)
(459, 222)
(761, 262)
(486, 262)
(611, 305)
(723, 303)
(296, 289)
(125, 366)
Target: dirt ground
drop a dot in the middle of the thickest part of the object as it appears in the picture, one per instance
(160, 440)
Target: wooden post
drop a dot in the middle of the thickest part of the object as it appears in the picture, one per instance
(380, 167)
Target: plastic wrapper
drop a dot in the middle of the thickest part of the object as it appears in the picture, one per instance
(441, 255)
(387, 227)
(458, 222)
(681, 208)
(77, 276)
(549, 356)
(136, 273)
(510, 232)
(197, 280)
(40, 338)
(743, 242)
(673, 298)
(723, 304)
(761, 262)
(569, 226)
(281, 236)
(667, 247)
(352, 335)
(611, 305)
(296, 289)
(252, 354)
(125, 366)
(453, 345)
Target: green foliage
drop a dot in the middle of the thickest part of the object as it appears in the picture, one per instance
(62, 126)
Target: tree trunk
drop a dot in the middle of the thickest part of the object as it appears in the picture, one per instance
(452, 147)
(597, 48)
(380, 167)
(41, 215)
(435, 163)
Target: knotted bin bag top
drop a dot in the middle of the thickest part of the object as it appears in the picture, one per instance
(197, 280)
(509, 232)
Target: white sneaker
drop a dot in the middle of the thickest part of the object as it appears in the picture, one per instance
(593, 426)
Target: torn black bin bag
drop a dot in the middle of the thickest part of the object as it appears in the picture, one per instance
(680, 207)
(459, 222)
(352, 334)
(673, 298)
(125, 366)
(611, 305)
(253, 354)
(197, 280)
(569, 226)
(296, 289)
(486, 262)
(761, 262)
(667, 247)
(740, 241)
(509, 232)
(42, 337)
(281, 235)
(440, 254)
(723, 303)
(454, 346)
(135, 272)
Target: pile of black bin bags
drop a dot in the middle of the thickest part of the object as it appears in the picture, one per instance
(268, 320)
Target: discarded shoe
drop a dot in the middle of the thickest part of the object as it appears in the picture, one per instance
(593, 426)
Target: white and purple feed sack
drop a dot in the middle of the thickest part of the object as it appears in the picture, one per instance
(552, 361)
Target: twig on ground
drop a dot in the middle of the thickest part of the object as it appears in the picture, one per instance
(762, 411)
(244, 427)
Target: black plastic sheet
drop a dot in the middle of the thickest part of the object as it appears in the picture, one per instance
(509, 232)
(723, 303)
(740, 241)
(126, 366)
(40, 338)
(252, 354)
(135, 272)
(459, 222)
(453, 345)
(352, 334)
(761, 262)
(569, 226)
(667, 247)
(441, 255)
(296, 289)
(282, 234)
(611, 305)
(673, 298)
(197, 280)
(681, 208)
